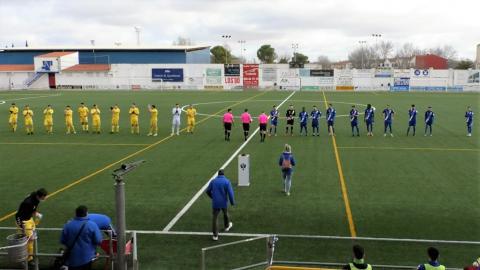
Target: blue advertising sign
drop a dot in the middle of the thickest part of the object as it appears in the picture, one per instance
(167, 74)
(401, 84)
(46, 65)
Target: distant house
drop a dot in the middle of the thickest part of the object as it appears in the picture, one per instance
(430, 61)
(342, 65)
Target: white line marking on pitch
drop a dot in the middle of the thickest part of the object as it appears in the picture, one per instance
(4, 101)
(202, 189)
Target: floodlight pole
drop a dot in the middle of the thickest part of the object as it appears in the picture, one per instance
(118, 175)
(121, 221)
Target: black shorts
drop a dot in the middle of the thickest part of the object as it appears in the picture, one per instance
(263, 127)
(227, 126)
(290, 122)
(246, 126)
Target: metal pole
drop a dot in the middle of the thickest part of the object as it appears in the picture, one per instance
(203, 259)
(135, 255)
(35, 250)
(121, 223)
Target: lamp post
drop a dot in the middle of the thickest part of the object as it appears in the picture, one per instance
(295, 47)
(362, 42)
(242, 49)
(226, 38)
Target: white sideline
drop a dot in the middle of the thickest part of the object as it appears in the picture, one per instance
(196, 196)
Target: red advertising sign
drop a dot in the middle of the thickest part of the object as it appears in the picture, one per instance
(250, 76)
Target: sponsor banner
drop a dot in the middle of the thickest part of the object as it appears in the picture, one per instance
(213, 87)
(269, 74)
(232, 80)
(344, 79)
(321, 72)
(167, 74)
(304, 72)
(383, 73)
(250, 76)
(428, 88)
(213, 76)
(63, 86)
(455, 89)
(420, 73)
(310, 88)
(344, 88)
(401, 84)
(232, 69)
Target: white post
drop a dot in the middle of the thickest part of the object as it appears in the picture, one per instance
(244, 170)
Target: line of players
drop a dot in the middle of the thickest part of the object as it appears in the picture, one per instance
(95, 112)
(315, 114)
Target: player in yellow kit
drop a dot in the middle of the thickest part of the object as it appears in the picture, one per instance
(115, 119)
(13, 119)
(153, 120)
(48, 119)
(28, 117)
(191, 112)
(95, 112)
(134, 113)
(83, 115)
(68, 112)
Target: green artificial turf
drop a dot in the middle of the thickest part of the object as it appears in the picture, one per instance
(401, 187)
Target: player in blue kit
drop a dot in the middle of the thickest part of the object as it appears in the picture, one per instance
(412, 119)
(315, 114)
(429, 117)
(331, 119)
(303, 117)
(469, 120)
(387, 121)
(273, 120)
(354, 120)
(369, 119)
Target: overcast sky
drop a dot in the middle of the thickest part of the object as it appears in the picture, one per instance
(320, 27)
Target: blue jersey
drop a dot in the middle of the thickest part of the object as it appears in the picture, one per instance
(412, 114)
(429, 117)
(369, 115)
(331, 114)
(354, 117)
(274, 116)
(303, 116)
(469, 117)
(315, 114)
(388, 115)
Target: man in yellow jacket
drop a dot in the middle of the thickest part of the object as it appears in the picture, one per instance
(115, 119)
(83, 115)
(13, 119)
(69, 120)
(153, 120)
(28, 117)
(134, 113)
(48, 119)
(95, 112)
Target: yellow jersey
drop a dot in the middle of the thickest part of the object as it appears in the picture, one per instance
(83, 111)
(68, 115)
(95, 112)
(48, 114)
(28, 114)
(13, 112)
(153, 114)
(191, 113)
(116, 113)
(134, 112)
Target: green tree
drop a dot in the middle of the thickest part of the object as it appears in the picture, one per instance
(220, 55)
(283, 59)
(464, 64)
(266, 54)
(299, 59)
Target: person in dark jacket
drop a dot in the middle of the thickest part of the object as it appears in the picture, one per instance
(82, 248)
(358, 260)
(103, 222)
(220, 191)
(286, 163)
(433, 263)
(27, 211)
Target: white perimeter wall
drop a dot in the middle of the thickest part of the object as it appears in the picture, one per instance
(274, 76)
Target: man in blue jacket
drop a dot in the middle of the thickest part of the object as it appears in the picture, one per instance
(220, 191)
(81, 236)
(103, 222)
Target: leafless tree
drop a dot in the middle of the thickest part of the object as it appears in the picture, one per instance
(324, 61)
(183, 41)
(363, 57)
